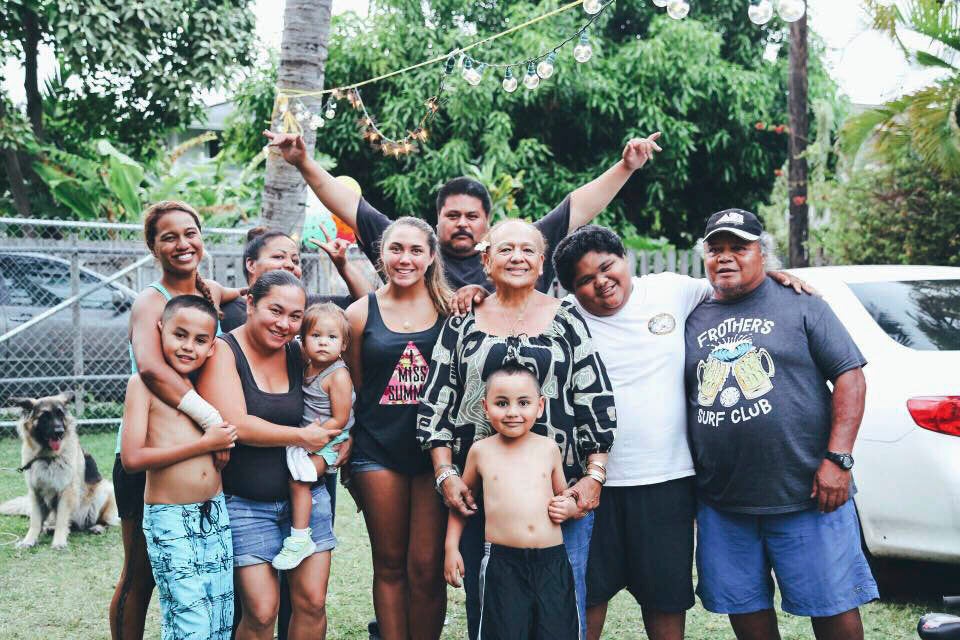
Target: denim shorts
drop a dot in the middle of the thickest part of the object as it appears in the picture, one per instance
(360, 463)
(816, 557)
(576, 540)
(259, 528)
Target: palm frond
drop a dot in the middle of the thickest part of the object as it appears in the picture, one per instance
(861, 127)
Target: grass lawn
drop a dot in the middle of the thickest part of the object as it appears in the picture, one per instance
(65, 595)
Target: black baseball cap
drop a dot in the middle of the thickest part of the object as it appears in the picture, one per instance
(739, 222)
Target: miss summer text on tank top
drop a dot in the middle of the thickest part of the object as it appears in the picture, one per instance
(395, 367)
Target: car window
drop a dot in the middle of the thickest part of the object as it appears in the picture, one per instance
(920, 314)
(46, 283)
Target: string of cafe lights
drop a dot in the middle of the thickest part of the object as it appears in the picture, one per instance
(294, 115)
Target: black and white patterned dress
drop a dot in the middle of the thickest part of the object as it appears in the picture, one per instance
(579, 414)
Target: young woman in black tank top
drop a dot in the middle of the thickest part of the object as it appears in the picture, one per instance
(254, 379)
(393, 332)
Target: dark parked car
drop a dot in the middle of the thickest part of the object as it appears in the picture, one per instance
(31, 361)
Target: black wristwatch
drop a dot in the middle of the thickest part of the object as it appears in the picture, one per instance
(842, 460)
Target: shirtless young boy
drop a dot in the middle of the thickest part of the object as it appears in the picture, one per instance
(185, 518)
(526, 583)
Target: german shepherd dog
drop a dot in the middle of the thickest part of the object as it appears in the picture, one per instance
(64, 485)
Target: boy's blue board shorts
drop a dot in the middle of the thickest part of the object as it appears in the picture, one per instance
(191, 554)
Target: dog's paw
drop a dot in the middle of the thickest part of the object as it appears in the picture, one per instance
(97, 529)
(59, 546)
(25, 544)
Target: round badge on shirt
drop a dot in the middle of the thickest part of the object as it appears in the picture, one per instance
(661, 324)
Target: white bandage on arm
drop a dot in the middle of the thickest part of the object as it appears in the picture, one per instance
(199, 410)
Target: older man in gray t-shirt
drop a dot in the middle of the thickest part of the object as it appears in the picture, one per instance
(772, 445)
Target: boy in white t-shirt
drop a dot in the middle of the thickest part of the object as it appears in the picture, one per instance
(643, 529)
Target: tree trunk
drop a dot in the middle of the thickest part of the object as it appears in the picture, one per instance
(18, 186)
(306, 30)
(31, 86)
(799, 134)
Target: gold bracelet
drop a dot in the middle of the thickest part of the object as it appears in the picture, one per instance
(598, 465)
(602, 479)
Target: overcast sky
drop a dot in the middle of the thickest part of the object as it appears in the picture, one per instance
(867, 66)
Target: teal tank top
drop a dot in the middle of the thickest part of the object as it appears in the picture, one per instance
(133, 363)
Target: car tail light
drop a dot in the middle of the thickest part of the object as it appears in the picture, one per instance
(936, 413)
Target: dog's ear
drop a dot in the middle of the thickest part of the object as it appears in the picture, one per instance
(65, 396)
(27, 404)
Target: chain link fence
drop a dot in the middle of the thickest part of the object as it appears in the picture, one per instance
(66, 289)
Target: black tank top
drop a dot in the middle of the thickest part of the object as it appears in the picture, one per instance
(260, 473)
(395, 368)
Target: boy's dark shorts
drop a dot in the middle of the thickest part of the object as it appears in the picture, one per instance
(643, 542)
(128, 489)
(527, 594)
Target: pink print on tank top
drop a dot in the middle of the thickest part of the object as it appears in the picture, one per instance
(408, 378)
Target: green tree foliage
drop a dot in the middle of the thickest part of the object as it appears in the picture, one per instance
(924, 122)
(701, 81)
(127, 70)
(900, 213)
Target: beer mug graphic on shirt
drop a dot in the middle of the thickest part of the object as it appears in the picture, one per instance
(710, 378)
(751, 375)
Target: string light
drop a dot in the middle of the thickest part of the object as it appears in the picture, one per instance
(760, 11)
(583, 51)
(331, 111)
(791, 10)
(531, 80)
(472, 74)
(678, 9)
(545, 68)
(592, 6)
(509, 83)
(544, 64)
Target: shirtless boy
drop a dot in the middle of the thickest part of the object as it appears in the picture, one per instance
(185, 518)
(526, 583)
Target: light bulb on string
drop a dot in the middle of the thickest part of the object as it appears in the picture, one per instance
(660, 3)
(509, 81)
(592, 6)
(678, 9)
(477, 74)
(546, 68)
(531, 80)
(470, 73)
(760, 11)
(583, 51)
(791, 10)
(316, 122)
(331, 111)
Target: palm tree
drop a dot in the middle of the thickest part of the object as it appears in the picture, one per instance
(303, 54)
(924, 122)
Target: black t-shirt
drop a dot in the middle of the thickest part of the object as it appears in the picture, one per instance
(235, 313)
(461, 271)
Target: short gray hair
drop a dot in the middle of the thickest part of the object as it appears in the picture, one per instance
(768, 249)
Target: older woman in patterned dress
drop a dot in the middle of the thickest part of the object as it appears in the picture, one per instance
(551, 338)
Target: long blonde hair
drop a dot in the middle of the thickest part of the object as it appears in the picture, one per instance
(440, 292)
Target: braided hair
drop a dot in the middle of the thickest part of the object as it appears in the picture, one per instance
(150, 219)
